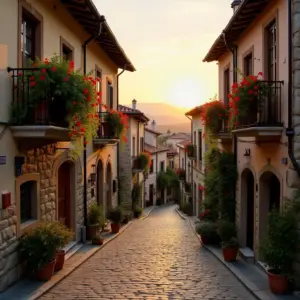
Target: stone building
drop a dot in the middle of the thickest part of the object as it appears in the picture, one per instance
(41, 174)
(129, 175)
(256, 41)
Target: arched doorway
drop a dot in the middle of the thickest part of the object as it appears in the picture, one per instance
(109, 187)
(247, 208)
(100, 181)
(64, 194)
(269, 198)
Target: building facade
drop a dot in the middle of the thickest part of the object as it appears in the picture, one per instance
(129, 173)
(42, 177)
(260, 145)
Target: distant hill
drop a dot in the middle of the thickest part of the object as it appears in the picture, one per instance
(166, 116)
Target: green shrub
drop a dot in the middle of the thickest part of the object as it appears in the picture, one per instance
(226, 230)
(95, 215)
(207, 230)
(115, 215)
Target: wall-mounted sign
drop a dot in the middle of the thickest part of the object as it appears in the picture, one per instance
(2, 160)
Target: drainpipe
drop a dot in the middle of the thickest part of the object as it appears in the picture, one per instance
(290, 132)
(84, 46)
(118, 148)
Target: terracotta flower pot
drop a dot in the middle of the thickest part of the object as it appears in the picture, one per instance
(115, 228)
(230, 254)
(46, 272)
(279, 284)
(91, 231)
(98, 241)
(60, 260)
(205, 240)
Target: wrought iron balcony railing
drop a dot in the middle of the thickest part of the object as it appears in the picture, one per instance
(48, 110)
(266, 111)
(105, 130)
(136, 163)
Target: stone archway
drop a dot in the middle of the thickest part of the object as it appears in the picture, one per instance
(108, 186)
(100, 183)
(269, 198)
(247, 211)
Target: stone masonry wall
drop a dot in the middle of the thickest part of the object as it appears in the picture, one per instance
(125, 184)
(40, 160)
(293, 179)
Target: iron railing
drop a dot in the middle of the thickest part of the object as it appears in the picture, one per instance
(266, 110)
(27, 108)
(136, 163)
(105, 130)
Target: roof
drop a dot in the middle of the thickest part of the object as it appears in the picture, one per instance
(240, 21)
(87, 15)
(172, 152)
(178, 136)
(133, 112)
(152, 131)
(184, 143)
(196, 110)
(151, 149)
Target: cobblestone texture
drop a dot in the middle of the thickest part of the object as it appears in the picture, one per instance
(157, 258)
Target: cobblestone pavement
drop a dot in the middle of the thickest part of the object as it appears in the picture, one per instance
(157, 258)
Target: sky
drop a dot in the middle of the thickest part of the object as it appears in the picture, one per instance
(166, 40)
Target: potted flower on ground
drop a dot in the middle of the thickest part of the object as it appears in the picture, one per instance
(115, 215)
(64, 236)
(94, 220)
(208, 232)
(38, 250)
(97, 239)
(280, 247)
(227, 233)
(137, 211)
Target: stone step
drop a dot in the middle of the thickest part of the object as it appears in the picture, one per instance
(247, 255)
(71, 249)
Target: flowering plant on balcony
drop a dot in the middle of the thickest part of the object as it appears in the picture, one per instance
(244, 97)
(144, 160)
(60, 95)
(213, 115)
(180, 173)
(116, 124)
(190, 150)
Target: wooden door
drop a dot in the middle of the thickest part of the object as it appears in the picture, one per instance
(64, 191)
(151, 192)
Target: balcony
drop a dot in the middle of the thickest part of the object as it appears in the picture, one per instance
(42, 121)
(106, 133)
(191, 151)
(224, 135)
(137, 166)
(263, 121)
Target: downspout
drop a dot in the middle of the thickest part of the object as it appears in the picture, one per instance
(118, 148)
(84, 46)
(290, 132)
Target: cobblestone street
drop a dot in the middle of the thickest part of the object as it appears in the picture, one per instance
(157, 258)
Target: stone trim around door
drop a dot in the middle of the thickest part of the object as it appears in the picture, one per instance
(22, 227)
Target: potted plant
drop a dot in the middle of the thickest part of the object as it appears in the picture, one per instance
(181, 174)
(64, 236)
(98, 239)
(38, 250)
(280, 247)
(227, 233)
(115, 215)
(191, 150)
(208, 232)
(137, 211)
(144, 161)
(114, 124)
(94, 220)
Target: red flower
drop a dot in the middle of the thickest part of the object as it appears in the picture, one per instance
(53, 69)
(66, 79)
(42, 77)
(43, 71)
(32, 83)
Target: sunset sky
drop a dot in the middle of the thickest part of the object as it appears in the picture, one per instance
(166, 40)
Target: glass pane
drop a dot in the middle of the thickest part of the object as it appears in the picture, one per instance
(28, 46)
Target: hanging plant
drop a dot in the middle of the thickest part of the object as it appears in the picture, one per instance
(213, 115)
(244, 98)
(190, 150)
(62, 96)
(144, 161)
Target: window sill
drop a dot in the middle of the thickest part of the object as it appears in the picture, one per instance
(28, 225)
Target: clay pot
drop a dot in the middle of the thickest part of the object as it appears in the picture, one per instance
(279, 284)
(205, 240)
(60, 260)
(230, 254)
(46, 272)
(91, 231)
(115, 228)
(98, 241)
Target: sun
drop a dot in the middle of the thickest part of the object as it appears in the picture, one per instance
(186, 93)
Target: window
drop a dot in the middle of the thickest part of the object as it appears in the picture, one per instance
(110, 95)
(152, 166)
(98, 77)
(28, 201)
(28, 28)
(162, 166)
(226, 86)
(248, 64)
(133, 146)
(271, 35)
(200, 145)
(66, 50)
(142, 144)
